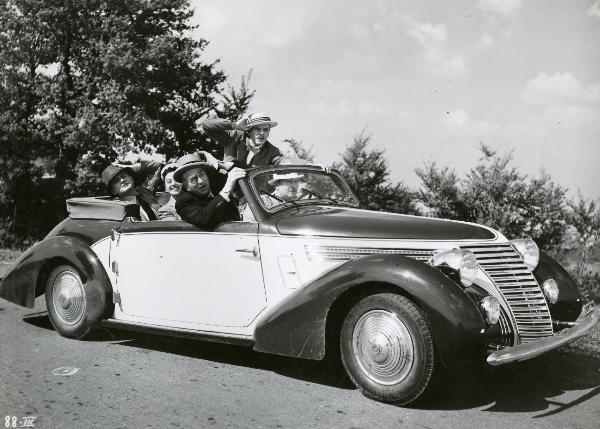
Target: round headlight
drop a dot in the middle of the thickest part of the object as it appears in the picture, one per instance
(529, 251)
(463, 261)
(550, 289)
(468, 268)
(490, 307)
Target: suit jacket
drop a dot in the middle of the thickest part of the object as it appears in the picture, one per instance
(168, 211)
(234, 144)
(147, 200)
(147, 171)
(205, 212)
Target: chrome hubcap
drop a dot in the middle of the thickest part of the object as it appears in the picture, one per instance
(68, 298)
(383, 347)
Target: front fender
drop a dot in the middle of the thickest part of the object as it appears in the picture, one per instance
(19, 284)
(569, 304)
(297, 326)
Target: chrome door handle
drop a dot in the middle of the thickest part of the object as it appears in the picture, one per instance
(252, 250)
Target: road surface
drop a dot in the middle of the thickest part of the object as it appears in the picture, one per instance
(117, 379)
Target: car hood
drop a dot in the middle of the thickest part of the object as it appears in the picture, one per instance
(354, 223)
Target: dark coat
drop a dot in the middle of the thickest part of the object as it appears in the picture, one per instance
(234, 144)
(205, 212)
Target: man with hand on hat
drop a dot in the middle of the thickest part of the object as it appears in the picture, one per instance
(196, 203)
(245, 142)
(120, 181)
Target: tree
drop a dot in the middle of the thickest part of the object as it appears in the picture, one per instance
(440, 191)
(237, 100)
(298, 150)
(367, 174)
(494, 193)
(84, 82)
(584, 217)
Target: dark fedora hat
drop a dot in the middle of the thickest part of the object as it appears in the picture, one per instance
(189, 161)
(111, 171)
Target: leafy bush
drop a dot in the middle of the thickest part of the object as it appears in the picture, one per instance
(494, 193)
(367, 174)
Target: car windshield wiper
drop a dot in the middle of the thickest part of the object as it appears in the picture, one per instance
(319, 196)
(281, 200)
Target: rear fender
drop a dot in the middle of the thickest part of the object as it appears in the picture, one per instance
(26, 278)
(297, 326)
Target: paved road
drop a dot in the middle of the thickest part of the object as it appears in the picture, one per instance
(117, 379)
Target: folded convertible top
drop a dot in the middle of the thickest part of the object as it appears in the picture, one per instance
(101, 208)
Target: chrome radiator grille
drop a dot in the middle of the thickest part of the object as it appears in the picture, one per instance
(518, 286)
(338, 253)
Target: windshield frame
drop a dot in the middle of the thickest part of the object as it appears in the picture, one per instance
(337, 178)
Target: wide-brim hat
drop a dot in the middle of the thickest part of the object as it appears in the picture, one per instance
(285, 176)
(259, 119)
(189, 161)
(111, 171)
(167, 169)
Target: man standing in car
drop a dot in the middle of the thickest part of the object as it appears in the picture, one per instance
(245, 142)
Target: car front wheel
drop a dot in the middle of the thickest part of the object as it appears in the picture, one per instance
(66, 302)
(387, 348)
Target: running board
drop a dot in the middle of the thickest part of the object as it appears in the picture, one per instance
(238, 340)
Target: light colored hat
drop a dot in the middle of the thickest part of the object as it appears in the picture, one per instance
(189, 161)
(285, 176)
(257, 119)
(167, 169)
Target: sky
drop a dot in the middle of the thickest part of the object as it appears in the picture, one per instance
(429, 81)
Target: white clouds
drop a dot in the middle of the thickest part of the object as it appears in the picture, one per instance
(210, 19)
(248, 24)
(594, 10)
(426, 34)
(438, 59)
(458, 122)
(456, 119)
(502, 7)
(485, 42)
(560, 89)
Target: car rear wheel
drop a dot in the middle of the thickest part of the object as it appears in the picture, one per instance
(387, 348)
(66, 302)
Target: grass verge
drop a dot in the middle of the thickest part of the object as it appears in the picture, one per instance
(7, 257)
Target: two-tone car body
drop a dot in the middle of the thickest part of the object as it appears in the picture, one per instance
(396, 297)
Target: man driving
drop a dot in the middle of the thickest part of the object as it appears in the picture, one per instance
(286, 188)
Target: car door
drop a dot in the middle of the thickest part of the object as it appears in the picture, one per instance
(171, 271)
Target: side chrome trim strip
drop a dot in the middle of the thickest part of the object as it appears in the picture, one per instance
(343, 253)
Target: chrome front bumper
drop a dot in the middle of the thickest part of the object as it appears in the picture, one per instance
(584, 323)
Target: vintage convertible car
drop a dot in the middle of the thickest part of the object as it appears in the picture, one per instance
(398, 298)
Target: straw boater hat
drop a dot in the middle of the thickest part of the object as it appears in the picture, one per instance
(167, 169)
(285, 176)
(257, 119)
(189, 161)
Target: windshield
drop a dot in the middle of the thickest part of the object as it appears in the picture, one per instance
(297, 186)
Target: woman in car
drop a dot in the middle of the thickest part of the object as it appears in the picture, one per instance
(168, 212)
